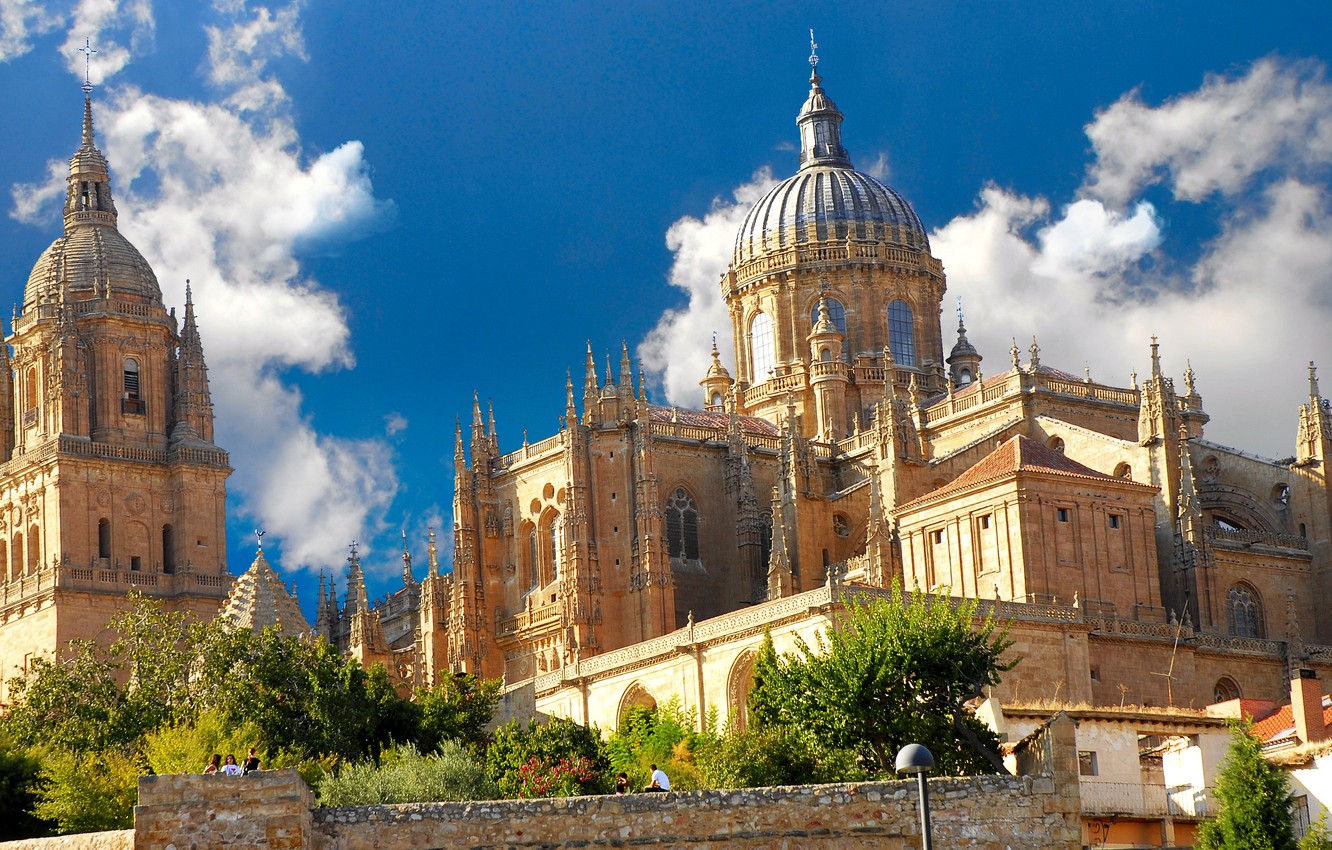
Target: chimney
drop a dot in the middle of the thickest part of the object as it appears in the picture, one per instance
(1306, 706)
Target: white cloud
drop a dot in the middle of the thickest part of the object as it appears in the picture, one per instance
(1250, 310)
(676, 352)
(1277, 116)
(394, 423)
(20, 22)
(222, 193)
(879, 168)
(107, 24)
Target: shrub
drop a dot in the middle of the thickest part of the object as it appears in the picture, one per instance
(756, 758)
(404, 775)
(90, 791)
(514, 747)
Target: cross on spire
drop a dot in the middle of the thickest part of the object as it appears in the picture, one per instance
(87, 51)
(813, 52)
(352, 547)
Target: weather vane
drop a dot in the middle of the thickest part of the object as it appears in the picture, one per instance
(813, 51)
(259, 537)
(87, 51)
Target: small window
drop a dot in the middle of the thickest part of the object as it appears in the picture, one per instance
(1087, 763)
(985, 521)
(1095, 673)
(937, 535)
(1061, 514)
(135, 563)
(131, 378)
(1114, 520)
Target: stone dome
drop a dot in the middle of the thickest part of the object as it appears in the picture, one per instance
(90, 259)
(827, 199)
(821, 203)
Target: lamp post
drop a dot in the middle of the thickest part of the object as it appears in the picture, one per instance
(914, 758)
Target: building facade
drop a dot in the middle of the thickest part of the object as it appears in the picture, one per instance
(109, 477)
(1139, 560)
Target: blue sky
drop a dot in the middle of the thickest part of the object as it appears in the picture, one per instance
(384, 208)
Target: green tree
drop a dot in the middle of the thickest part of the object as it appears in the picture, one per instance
(1317, 838)
(1254, 800)
(457, 708)
(764, 757)
(665, 736)
(510, 753)
(891, 672)
(19, 773)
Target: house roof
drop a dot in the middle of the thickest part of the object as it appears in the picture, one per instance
(1017, 455)
(1280, 725)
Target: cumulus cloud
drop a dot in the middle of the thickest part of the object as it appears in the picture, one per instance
(1275, 117)
(118, 30)
(394, 423)
(222, 193)
(676, 352)
(20, 22)
(1094, 279)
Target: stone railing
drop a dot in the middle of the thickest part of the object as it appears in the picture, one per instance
(527, 618)
(775, 387)
(531, 450)
(1126, 799)
(69, 577)
(1245, 538)
(840, 251)
(1015, 382)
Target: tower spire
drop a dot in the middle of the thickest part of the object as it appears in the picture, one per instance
(820, 122)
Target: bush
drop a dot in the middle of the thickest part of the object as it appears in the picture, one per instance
(756, 758)
(664, 736)
(90, 791)
(514, 747)
(404, 775)
(19, 773)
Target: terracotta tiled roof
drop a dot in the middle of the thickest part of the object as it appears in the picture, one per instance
(708, 419)
(1018, 454)
(1281, 724)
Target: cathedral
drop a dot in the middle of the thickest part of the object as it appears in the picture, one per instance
(109, 478)
(644, 549)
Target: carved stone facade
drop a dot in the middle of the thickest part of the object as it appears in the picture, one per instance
(109, 477)
(848, 450)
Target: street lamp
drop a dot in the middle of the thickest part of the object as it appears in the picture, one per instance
(914, 758)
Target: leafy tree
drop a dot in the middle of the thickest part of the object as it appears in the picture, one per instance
(557, 739)
(89, 791)
(1254, 801)
(457, 708)
(891, 672)
(19, 772)
(664, 736)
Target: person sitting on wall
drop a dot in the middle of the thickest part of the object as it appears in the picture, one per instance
(660, 781)
(251, 763)
(622, 783)
(231, 768)
(214, 764)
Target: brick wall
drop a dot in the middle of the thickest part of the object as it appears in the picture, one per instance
(275, 810)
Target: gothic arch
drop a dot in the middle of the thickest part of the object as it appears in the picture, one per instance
(738, 683)
(1226, 688)
(550, 546)
(681, 515)
(636, 695)
(1239, 507)
(762, 346)
(1244, 611)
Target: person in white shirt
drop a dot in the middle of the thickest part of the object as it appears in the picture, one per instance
(660, 781)
(231, 768)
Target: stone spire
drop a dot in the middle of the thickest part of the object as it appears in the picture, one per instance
(88, 198)
(820, 123)
(432, 555)
(780, 579)
(358, 601)
(259, 599)
(964, 361)
(194, 400)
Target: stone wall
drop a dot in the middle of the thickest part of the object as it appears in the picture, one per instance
(275, 810)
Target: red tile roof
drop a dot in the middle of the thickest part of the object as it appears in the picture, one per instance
(1019, 454)
(708, 419)
(1281, 724)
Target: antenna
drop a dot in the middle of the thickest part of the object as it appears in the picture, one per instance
(87, 51)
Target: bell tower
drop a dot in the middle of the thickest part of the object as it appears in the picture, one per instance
(110, 479)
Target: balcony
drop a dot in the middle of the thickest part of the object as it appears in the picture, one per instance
(134, 406)
(1140, 800)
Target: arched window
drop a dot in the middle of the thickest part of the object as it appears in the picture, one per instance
(30, 390)
(1225, 689)
(131, 378)
(1244, 612)
(34, 549)
(964, 377)
(901, 333)
(1056, 444)
(1124, 471)
(533, 558)
(556, 547)
(16, 554)
(682, 526)
(761, 360)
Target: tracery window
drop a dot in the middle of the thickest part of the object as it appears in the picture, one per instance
(1225, 689)
(837, 313)
(1244, 612)
(901, 333)
(761, 359)
(682, 526)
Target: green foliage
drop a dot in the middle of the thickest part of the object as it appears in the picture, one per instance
(457, 708)
(557, 739)
(891, 672)
(764, 757)
(1317, 837)
(1254, 800)
(186, 747)
(664, 736)
(404, 775)
(548, 777)
(89, 791)
(19, 773)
